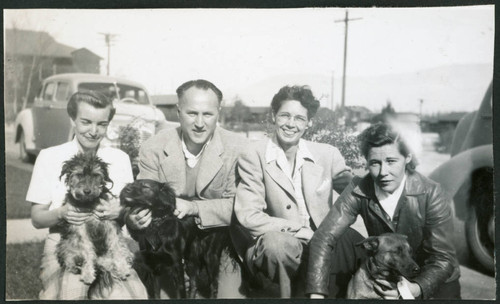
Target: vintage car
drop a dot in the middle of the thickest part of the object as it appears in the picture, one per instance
(47, 123)
(468, 177)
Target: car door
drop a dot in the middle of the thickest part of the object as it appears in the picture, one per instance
(51, 122)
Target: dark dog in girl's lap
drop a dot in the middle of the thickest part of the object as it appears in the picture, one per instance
(171, 248)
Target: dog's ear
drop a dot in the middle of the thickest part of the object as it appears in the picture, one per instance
(167, 196)
(105, 173)
(370, 243)
(65, 170)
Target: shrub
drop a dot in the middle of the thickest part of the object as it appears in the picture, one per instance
(327, 129)
(130, 142)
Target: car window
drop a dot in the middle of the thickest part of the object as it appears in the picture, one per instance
(126, 91)
(48, 93)
(62, 91)
(107, 88)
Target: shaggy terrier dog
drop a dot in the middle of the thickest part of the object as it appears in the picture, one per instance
(96, 249)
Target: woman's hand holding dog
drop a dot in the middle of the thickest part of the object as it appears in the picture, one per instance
(138, 218)
(389, 292)
(109, 209)
(73, 215)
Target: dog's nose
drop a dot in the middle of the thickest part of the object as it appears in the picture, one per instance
(86, 191)
(416, 269)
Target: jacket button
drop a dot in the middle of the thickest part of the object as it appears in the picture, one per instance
(288, 206)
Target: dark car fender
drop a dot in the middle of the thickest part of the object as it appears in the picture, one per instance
(455, 178)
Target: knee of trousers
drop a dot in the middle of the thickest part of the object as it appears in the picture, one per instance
(279, 247)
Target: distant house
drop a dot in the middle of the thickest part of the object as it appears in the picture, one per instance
(254, 115)
(167, 104)
(31, 56)
(355, 114)
(441, 122)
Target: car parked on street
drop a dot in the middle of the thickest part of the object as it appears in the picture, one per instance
(468, 178)
(47, 123)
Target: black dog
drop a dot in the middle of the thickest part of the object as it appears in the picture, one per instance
(173, 246)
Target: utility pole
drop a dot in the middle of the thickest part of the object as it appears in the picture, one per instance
(421, 103)
(331, 94)
(108, 38)
(346, 20)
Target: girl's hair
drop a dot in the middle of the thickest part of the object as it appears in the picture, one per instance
(381, 134)
(94, 98)
(303, 94)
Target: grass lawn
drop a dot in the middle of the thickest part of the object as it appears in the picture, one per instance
(22, 268)
(17, 207)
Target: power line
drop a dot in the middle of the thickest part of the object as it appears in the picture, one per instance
(346, 21)
(108, 38)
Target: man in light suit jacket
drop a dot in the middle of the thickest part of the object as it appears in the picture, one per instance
(198, 160)
(286, 189)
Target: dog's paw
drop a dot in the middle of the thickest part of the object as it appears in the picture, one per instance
(88, 276)
(123, 272)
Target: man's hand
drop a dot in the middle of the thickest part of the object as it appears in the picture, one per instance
(109, 209)
(304, 233)
(185, 208)
(138, 218)
(386, 290)
(73, 215)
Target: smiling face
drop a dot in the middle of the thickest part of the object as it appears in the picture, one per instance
(291, 122)
(90, 125)
(198, 112)
(387, 166)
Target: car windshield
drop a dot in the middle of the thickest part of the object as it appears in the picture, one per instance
(131, 93)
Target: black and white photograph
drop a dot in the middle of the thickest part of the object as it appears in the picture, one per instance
(249, 153)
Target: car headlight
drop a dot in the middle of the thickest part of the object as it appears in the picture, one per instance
(113, 132)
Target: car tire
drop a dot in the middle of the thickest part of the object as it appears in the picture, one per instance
(23, 154)
(480, 233)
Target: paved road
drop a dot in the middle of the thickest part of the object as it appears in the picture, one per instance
(475, 285)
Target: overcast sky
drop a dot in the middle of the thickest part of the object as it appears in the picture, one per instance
(236, 48)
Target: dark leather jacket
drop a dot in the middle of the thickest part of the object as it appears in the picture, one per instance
(423, 214)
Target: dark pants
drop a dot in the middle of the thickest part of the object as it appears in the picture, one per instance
(346, 259)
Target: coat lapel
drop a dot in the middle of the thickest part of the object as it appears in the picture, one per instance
(210, 163)
(173, 165)
(311, 182)
(280, 178)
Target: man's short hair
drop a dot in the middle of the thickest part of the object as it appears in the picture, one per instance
(303, 94)
(94, 98)
(381, 134)
(200, 84)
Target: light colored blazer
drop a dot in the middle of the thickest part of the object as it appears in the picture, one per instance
(265, 199)
(161, 159)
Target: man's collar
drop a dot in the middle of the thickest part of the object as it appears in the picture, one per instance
(190, 155)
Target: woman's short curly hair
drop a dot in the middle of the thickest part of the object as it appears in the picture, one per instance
(381, 134)
(94, 98)
(303, 94)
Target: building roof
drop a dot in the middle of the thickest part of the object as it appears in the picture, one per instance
(29, 43)
(360, 109)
